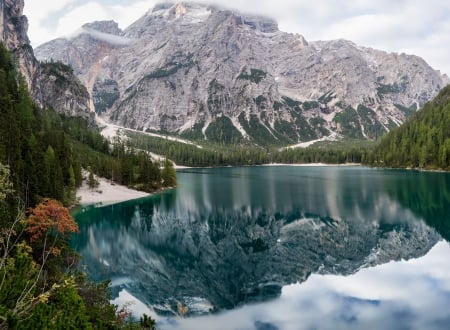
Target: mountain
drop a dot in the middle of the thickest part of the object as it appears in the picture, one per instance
(51, 85)
(204, 72)
(423, 141)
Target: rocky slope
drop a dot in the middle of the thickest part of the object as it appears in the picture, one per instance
(205, 72)
(52, 85)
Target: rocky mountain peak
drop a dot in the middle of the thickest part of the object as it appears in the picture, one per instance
(13, 25)
(13, 33)
(188, 12)
(203, 71)
(51, 85)
(109, 27)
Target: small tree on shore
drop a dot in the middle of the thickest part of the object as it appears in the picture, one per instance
(92, 182)
(168, 174)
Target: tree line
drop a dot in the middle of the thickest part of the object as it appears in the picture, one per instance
(238, 155)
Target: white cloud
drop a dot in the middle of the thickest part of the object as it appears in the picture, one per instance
(411, 294)
(40, 10)
(49, 20)
(412, 26)
(89, 12)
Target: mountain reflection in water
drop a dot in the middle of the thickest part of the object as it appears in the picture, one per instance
(228, 237)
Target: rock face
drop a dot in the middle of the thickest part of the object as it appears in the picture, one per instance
(51, 85)
(196, 70)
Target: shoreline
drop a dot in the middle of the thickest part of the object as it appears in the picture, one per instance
(313, 164)
(106, 193)
(274, 165)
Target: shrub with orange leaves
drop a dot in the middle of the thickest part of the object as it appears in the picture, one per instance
(49, 215)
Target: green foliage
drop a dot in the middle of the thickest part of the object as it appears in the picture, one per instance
(317, 154)
(310, 105)
(222, 130)
(305, 131)
(32, 144)
(147, 323)
(372, 127)
(395, 88)
(260, 101)
(348, 121)
(63, 75)
(39, 158)
(189, 155)
(220, 155)
(63, 309)
(96, 297)
(18, 272)
(287, 129)
(162, 72)
(259, 133)
(195, 133)
(5, 184)
(409, 111)
(168, 174)
(318, 123)
(117, 162)
(172, 67)
(295, 105)
(422, 142)
(57, 68)
(277, 105)
(255, 75)
(91, 181)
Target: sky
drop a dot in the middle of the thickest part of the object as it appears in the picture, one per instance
(415, 27)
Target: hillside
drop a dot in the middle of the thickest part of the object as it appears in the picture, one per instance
(208, 73)
(423, 141)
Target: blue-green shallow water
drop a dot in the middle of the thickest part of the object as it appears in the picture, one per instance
(280, 248)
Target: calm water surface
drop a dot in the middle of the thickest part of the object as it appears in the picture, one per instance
(280, 248)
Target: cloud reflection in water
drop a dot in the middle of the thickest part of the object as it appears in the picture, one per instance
(412, 294)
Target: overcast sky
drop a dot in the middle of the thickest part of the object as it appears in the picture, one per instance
(420, 27)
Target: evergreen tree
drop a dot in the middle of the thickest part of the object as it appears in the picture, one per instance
(169, 175)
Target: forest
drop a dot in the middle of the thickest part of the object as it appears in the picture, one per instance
(423, 142)
(40, 170)
(214, 154)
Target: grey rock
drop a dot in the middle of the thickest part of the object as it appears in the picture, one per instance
(183, 67)
(49, 87)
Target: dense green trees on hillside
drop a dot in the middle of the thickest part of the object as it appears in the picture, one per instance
(219, 155)
(40, 167)
(116, 161)
(422, 142)
(46, 152)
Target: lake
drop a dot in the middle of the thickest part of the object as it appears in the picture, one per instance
(280, 247)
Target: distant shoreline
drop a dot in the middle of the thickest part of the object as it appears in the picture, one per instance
(274, 165)
(312, 164)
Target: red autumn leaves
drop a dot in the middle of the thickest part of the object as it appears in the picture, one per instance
(49, 215)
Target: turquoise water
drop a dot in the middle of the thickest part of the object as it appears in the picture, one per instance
(280, 248)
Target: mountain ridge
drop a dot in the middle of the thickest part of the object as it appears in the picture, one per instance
(200, 71)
